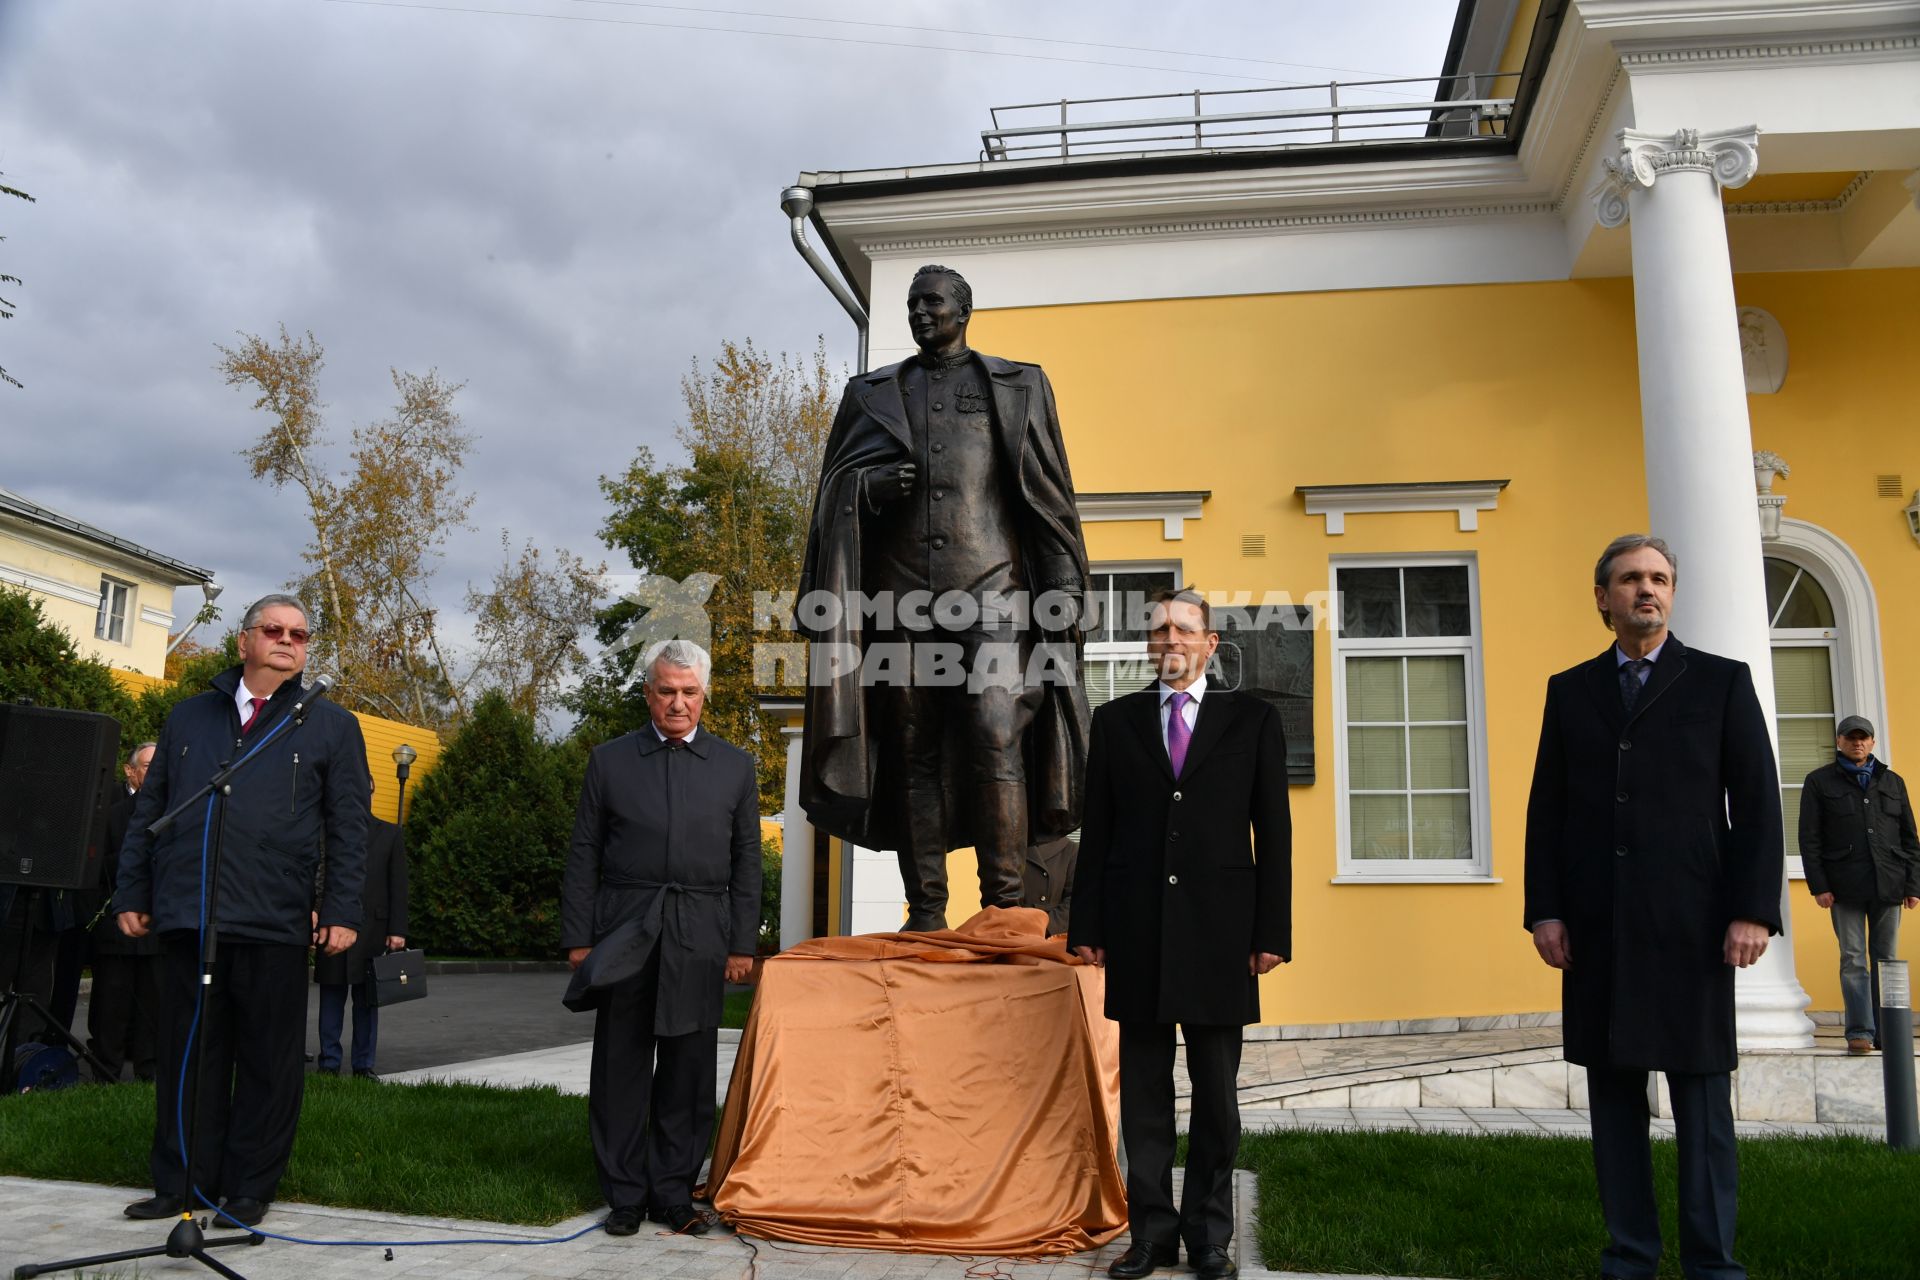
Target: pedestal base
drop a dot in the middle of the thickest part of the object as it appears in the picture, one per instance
(917, 1096)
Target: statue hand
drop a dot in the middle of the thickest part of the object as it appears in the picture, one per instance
(884, 486)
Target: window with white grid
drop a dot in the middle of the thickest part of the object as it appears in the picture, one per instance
(1409, 710)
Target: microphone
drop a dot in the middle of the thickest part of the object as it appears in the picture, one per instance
(311, 695)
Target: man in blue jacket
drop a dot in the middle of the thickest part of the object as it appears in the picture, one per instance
(307, 788)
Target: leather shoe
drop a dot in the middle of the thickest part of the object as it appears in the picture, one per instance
(1215, 1264)
(624, 1220)
(244, 1210)
(366, 1073)
(155, 1207)
(682, 1219)
(1859, 1048)
(1141, 1258)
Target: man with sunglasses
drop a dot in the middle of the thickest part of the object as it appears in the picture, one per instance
(305, 787)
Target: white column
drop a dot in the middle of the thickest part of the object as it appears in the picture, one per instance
(796, 856)
(1699, 448)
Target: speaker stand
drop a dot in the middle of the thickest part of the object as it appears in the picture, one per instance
(15, 1000)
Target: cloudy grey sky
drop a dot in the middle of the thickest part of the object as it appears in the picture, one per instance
(561, 202)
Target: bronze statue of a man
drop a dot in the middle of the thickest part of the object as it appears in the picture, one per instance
(943, 584)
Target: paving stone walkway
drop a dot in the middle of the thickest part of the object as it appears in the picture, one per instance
(44, 1221)
(47, 1221)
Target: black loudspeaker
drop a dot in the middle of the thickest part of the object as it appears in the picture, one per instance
(57, 782)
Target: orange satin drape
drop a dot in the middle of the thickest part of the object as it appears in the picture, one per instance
(952, 1092)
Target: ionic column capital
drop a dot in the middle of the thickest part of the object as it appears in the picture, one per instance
(1731, 156)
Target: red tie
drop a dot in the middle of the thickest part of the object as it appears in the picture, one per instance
(253, 713)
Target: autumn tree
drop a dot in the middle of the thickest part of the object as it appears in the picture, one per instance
(529, 623)
(379, 527)
(738, 509)
(6, 307)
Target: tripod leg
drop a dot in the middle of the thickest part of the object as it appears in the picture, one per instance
(214, 1264)
(29, 1270)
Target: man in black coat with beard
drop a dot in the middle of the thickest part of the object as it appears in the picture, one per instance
(1653, 872)
(1184, 892)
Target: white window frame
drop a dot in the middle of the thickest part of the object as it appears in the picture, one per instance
(1351, 870)
(1805, 638)
(1839, 666)
(1129, 648)
(103, 620)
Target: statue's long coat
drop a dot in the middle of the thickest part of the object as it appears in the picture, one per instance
(851, 783)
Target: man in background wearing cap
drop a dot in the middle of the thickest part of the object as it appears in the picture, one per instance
(1862, 860)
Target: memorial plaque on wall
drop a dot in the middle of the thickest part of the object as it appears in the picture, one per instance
(1268, 653)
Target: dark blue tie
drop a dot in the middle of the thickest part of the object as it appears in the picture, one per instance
(1630, 679)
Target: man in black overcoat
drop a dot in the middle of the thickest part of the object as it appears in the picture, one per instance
(120, 1012)
(944, 482)
(383, 928)
(660, 909)
(1184, 892)
(1654, 870)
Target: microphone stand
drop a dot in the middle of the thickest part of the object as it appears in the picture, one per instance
(188, 1239)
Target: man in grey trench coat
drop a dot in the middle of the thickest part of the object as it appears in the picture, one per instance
(660, 908)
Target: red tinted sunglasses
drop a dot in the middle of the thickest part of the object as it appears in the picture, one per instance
(273, 631)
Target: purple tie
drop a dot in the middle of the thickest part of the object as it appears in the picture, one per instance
(1177, 731)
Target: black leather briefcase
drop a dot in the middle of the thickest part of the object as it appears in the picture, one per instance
(399, 976)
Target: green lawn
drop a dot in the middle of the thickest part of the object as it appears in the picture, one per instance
(440, 1150)
(1416, 1204)
(1524, 1207)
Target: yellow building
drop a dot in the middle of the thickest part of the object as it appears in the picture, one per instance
(113, 596)
(1647, 265)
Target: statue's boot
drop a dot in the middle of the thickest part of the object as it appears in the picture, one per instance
(923, 863)
(1000, 845)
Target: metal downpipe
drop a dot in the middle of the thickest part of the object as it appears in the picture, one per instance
(797, 204)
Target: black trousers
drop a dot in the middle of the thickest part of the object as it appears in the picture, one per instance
(1709, 1173)
(650, 1098)
(1205, 1216)
(121, 1012)
(69, 958)
(255, 1028)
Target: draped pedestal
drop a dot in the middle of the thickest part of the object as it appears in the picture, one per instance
(950, 1092)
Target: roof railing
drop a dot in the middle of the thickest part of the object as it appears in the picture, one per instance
(1443, 108)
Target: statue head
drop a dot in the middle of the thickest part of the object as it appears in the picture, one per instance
(939, 304)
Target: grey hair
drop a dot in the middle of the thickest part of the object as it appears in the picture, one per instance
(1603, 568)
(133, 756)
(265, 603)
(677, 653)
(962, 291)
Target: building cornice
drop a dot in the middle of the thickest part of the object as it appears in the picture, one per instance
(57, 588)
(1778, 208)
(1465, 498)
(1656, 58)
(1205, 228)
(1172, 508)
